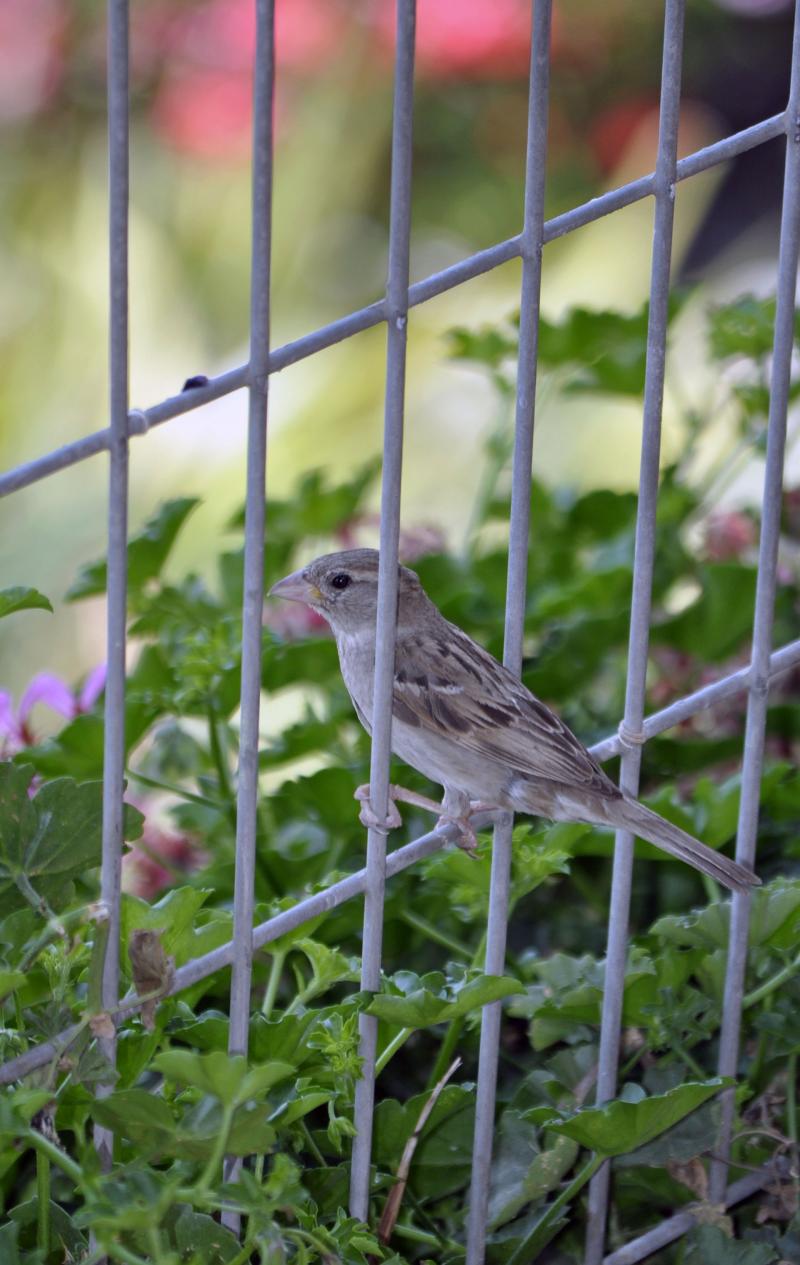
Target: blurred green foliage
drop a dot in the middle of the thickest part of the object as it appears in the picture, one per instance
(179, 1101)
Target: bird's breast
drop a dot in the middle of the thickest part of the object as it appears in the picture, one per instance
(357, 662)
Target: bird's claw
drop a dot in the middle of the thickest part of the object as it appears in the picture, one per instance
(467, 839)
(369, 818)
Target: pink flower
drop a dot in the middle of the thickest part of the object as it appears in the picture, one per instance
(206, 112)
(729, 534)
(47, 688)
(31, 55)
(203, 105)
(294, 621)
(468, 39)
(158, 859)
(615, 127)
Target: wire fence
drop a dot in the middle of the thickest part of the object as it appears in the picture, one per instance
(392, 310)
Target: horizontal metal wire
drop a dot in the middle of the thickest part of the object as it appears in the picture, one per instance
(483, 261)
(673, 1227)
(348, 888)
(781, 661)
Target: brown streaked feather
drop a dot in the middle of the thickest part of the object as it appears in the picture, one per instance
(467, 696)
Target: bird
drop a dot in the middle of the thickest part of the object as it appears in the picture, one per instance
(464, 720)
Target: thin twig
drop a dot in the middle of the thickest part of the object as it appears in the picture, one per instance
(395, 1197)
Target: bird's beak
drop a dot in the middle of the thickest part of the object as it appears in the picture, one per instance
(296, 588)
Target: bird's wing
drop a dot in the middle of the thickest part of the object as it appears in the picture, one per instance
(447, 684)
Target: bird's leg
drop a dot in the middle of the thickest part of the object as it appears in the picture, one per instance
(456, 810)
(369, 818)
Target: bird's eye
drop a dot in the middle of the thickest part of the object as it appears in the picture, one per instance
(340, 580)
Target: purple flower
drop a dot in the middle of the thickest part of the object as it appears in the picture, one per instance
(53, 691)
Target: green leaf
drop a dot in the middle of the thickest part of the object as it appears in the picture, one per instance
(328, 966)
(50, 838)
(605, 350)
(147, 551)
(774, 920)
(199, 1236)
(421, 1001)
(18, 1107)
(744, 328)
(141, 1117)
(714, 625)
(9, 1248)
(522, 1171)
(225, 1076)
(488, 346)
(443, 1158)
(10, 981)
(21, 598)
(251, 1130)
(175, 915)
(683, 1141)
(709, 1245)
(129, 1198)
(620, 1126)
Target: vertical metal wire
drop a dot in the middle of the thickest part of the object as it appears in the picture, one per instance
(642, 590)
(252, 607)
(764, 613)
(515, 602)
(114, 715)
(396, 325)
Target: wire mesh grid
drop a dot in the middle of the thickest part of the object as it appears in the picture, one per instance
(635, 729)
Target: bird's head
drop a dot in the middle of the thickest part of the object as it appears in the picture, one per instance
(343, 588)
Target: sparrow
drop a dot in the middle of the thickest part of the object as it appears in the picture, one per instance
(463, 720)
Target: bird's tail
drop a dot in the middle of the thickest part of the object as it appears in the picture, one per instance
(633, 816)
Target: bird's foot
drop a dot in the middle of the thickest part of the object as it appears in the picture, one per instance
(369, 818)
(467, 838)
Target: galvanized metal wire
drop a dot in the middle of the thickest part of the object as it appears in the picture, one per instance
(247, 788)
(635, 729)
(396, 311)
(116, 607)
(515, 604)
(643, 563)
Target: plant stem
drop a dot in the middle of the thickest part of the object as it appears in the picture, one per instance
(32, 897)
(156, 1244)
(445, 1056)
(791, 1098)
(179, 791)
(312, 1146)
(391, 1049)
(241, 1258)
(416, 1236)
(42, 1203)
(215, 1158)
(125, 1255)
(45, 1147)
(275, 971)
(53, 931)
(433, 933)
(712, 888)
(770, 985)
(687, 1058)
(530, 1246)
(588, 889)
(218, 756)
